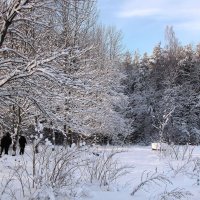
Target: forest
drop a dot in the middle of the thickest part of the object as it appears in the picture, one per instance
(64, 74)
(163, 92)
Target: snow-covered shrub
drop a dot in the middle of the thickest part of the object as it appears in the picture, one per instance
(179, 167)
(45, 175)
(179, 158)
(196, 171)
(179, 152)
(150, 178)
(175, 152)
(57, 168)
(103, 168)
(174, 194)
(5, 186)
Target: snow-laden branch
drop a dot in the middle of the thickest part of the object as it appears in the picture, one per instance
(11, 13)
(37, 64)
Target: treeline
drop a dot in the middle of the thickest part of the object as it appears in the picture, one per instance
(164, 93)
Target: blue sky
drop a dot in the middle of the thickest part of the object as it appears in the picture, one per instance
(143, 22)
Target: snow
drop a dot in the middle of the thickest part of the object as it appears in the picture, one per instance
(179, 166)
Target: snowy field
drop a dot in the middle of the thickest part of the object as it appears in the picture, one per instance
(90, 174)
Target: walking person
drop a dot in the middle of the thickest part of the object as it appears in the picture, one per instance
(22, 144)
(6, 141)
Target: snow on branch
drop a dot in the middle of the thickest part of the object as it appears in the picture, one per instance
(13, 9)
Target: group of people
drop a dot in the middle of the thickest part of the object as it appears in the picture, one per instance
(6, 141)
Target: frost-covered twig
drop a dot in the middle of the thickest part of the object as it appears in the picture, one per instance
(151, 178)
(5, 186)
(105, 168)
(179, 152)
(174, 194)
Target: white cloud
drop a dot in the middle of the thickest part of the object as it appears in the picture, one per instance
(177, 9)
(182, 14)
(138, 13)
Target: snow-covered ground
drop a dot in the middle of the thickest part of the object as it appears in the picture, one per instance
(181, 173)
(167, 175)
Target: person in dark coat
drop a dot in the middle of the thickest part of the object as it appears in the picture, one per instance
(6, 141)
(22, 144)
